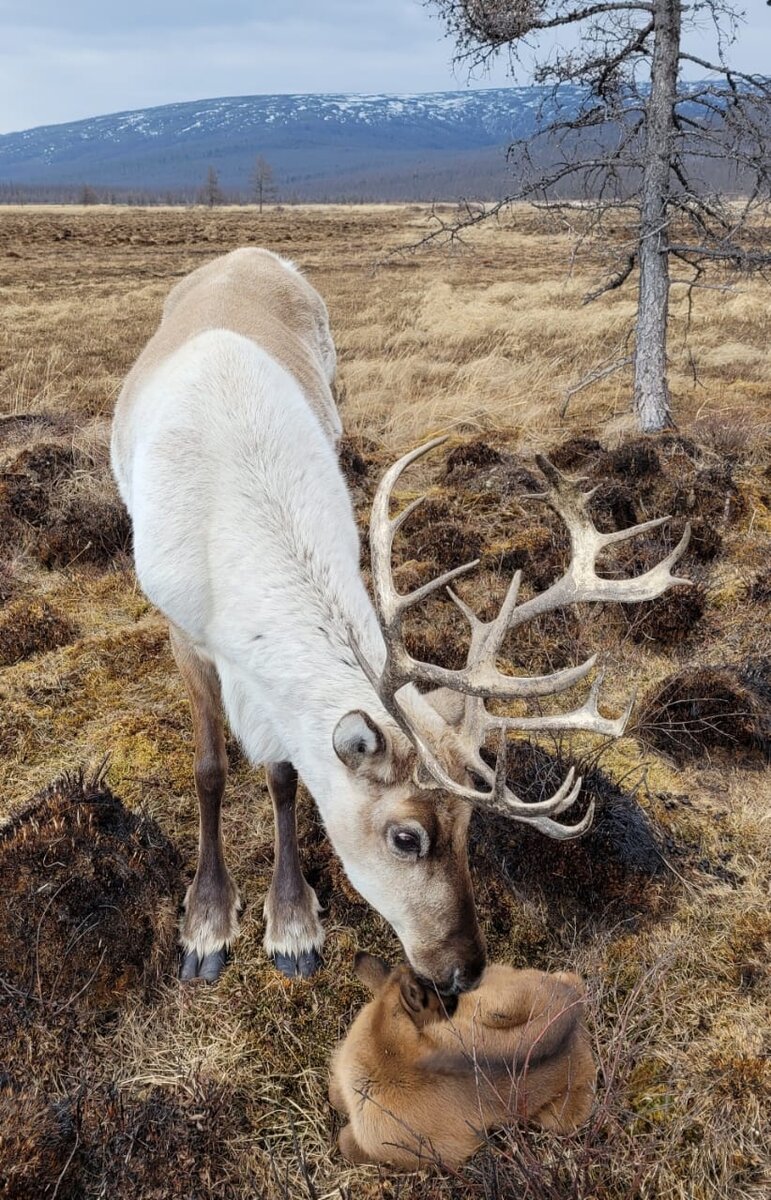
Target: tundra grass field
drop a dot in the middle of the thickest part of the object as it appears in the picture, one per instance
(115, 1081)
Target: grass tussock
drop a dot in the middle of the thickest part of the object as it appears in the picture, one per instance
(30, 627)
(113, 1081)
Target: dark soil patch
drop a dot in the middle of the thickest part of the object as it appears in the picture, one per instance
(711, 710)
(540, 551)
(88, 898)
(30, 627)
(576, 454)
(58, 506)
(472, 455)
(613, 507)
(635, 459)
(614, 872)
(87, 528)
(27, 482)
(357, 456)
(8, 585)
(668, 620)
(706, 539)
(478, 467)
(37, 1140)
(712, 495)
(433, 535)
(760, 590)
(165, 1145)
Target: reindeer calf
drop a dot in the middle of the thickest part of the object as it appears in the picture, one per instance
(421, 1086)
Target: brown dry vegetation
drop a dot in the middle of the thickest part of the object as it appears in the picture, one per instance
(113, 1080)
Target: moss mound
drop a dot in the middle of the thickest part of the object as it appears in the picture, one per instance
(436, 537)
(38, 1138)
(59, 504)
(613, 872)
(705, 710)
(27, 481)
(30, 627)
(87, 526)
(670, 618)
(479, 467)
(88, 898)
(576, 453)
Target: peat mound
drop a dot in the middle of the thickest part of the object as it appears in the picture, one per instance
(670, 619)
(88, 899)
(711, 710)
(61, 505)
(613, 872)
(655, 475)
(478, 467)
(32, 626)
(163, 1145)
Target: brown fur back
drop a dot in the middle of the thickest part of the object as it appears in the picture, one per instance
(420, 1087)
(256, 294)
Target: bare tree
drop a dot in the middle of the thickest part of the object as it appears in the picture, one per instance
(263, 187)
(211, 192)
(687, 165)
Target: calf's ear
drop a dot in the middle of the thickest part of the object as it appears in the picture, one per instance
(414, 995)
(371, 970)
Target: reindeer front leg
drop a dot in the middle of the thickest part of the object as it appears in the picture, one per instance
(212, 902)
(293, 933)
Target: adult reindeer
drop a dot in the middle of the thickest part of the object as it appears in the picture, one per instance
(224, 448)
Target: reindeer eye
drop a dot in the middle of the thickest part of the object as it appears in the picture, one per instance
(407, 841)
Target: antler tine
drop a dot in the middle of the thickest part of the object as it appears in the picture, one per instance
(587, 718)
(563, 833)
(391, 605)
(480, 679)
(581, 582)
(500, 798)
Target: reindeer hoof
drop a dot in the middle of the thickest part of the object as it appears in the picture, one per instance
(208, 968)
(305, 964)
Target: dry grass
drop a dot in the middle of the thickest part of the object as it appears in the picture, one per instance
(665, 908)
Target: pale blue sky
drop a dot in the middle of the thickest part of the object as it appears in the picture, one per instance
(65, 59)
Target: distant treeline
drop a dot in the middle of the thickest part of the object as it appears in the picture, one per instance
(483, 179)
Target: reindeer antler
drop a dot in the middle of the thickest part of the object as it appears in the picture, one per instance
(480, 679)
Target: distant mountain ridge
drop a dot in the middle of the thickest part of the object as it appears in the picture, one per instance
(338, 146)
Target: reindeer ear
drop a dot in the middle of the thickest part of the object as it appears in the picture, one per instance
(358, 741)
(371, 970)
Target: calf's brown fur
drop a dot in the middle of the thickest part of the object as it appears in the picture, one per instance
(420, 1085)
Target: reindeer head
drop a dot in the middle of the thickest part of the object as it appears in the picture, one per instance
(423, 767)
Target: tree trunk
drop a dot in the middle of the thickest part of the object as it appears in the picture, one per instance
(651, 391)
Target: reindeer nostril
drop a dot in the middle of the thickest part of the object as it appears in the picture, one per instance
(466, 981)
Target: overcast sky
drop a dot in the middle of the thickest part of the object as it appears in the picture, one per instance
(65, 59)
